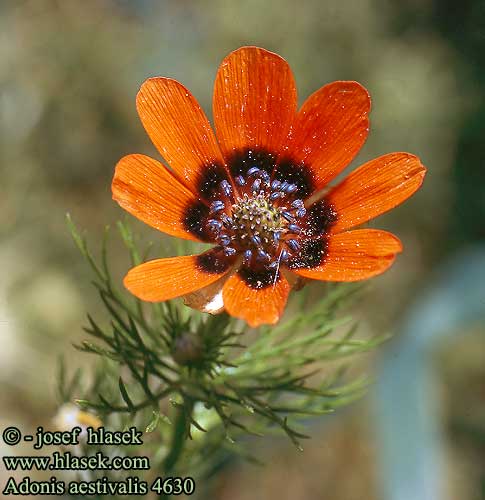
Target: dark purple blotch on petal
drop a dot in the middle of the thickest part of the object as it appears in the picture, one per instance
(214, 261)
(259, 279)
(210, 179)
(319, 218)
(254, 160)
(295, 174)
(311, 254)
(195, 218)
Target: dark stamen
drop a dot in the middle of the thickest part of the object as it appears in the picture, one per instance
(247, 256)
(227, 221)
(262, 255)
(226, 188)
(265, 176)
(214, 224)
(217, 205)
(224, 240)
(293, 244)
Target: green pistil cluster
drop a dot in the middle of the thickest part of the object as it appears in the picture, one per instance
(257, 216)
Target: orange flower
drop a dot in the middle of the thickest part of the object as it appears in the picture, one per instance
(259, 192)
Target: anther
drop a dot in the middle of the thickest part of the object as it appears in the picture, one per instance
(300, 212)
(276, 237)
(275, 184)
(252, 171)
(291, 188)
(214, 224)
(224, 240)
(217, 206)
(284, 255)
(275, 195)
(247, 256)
(256, 185)
(262, 255)
(265, 176)
(293, 244)
(288, 216)
(297, 204)
(226, 188)
(227, 221)
(293, 228)
(229, 251)
(240, 180)
(256, 240)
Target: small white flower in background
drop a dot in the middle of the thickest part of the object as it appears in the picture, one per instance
(70, 416)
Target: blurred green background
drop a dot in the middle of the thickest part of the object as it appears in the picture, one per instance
(69, 73)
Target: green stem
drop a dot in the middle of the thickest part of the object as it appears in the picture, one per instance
(179, 436)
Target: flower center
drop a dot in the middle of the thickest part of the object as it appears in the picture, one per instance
(256, 216)
(260, 222)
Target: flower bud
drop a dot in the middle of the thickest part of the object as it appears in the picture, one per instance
(187, 349)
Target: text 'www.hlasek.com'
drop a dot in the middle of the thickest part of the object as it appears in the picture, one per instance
(97, 472)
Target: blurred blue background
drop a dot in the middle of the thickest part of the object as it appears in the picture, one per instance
(69, 72)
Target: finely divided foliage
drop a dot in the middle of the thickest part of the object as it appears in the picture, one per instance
(258, 191)
(220, 382)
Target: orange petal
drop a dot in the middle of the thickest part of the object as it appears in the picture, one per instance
(180, 130)
(355, 255)
(164, 279)
(149, 191)
(254, 101)
(374, 188)
(329, 130)
(256, 297)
